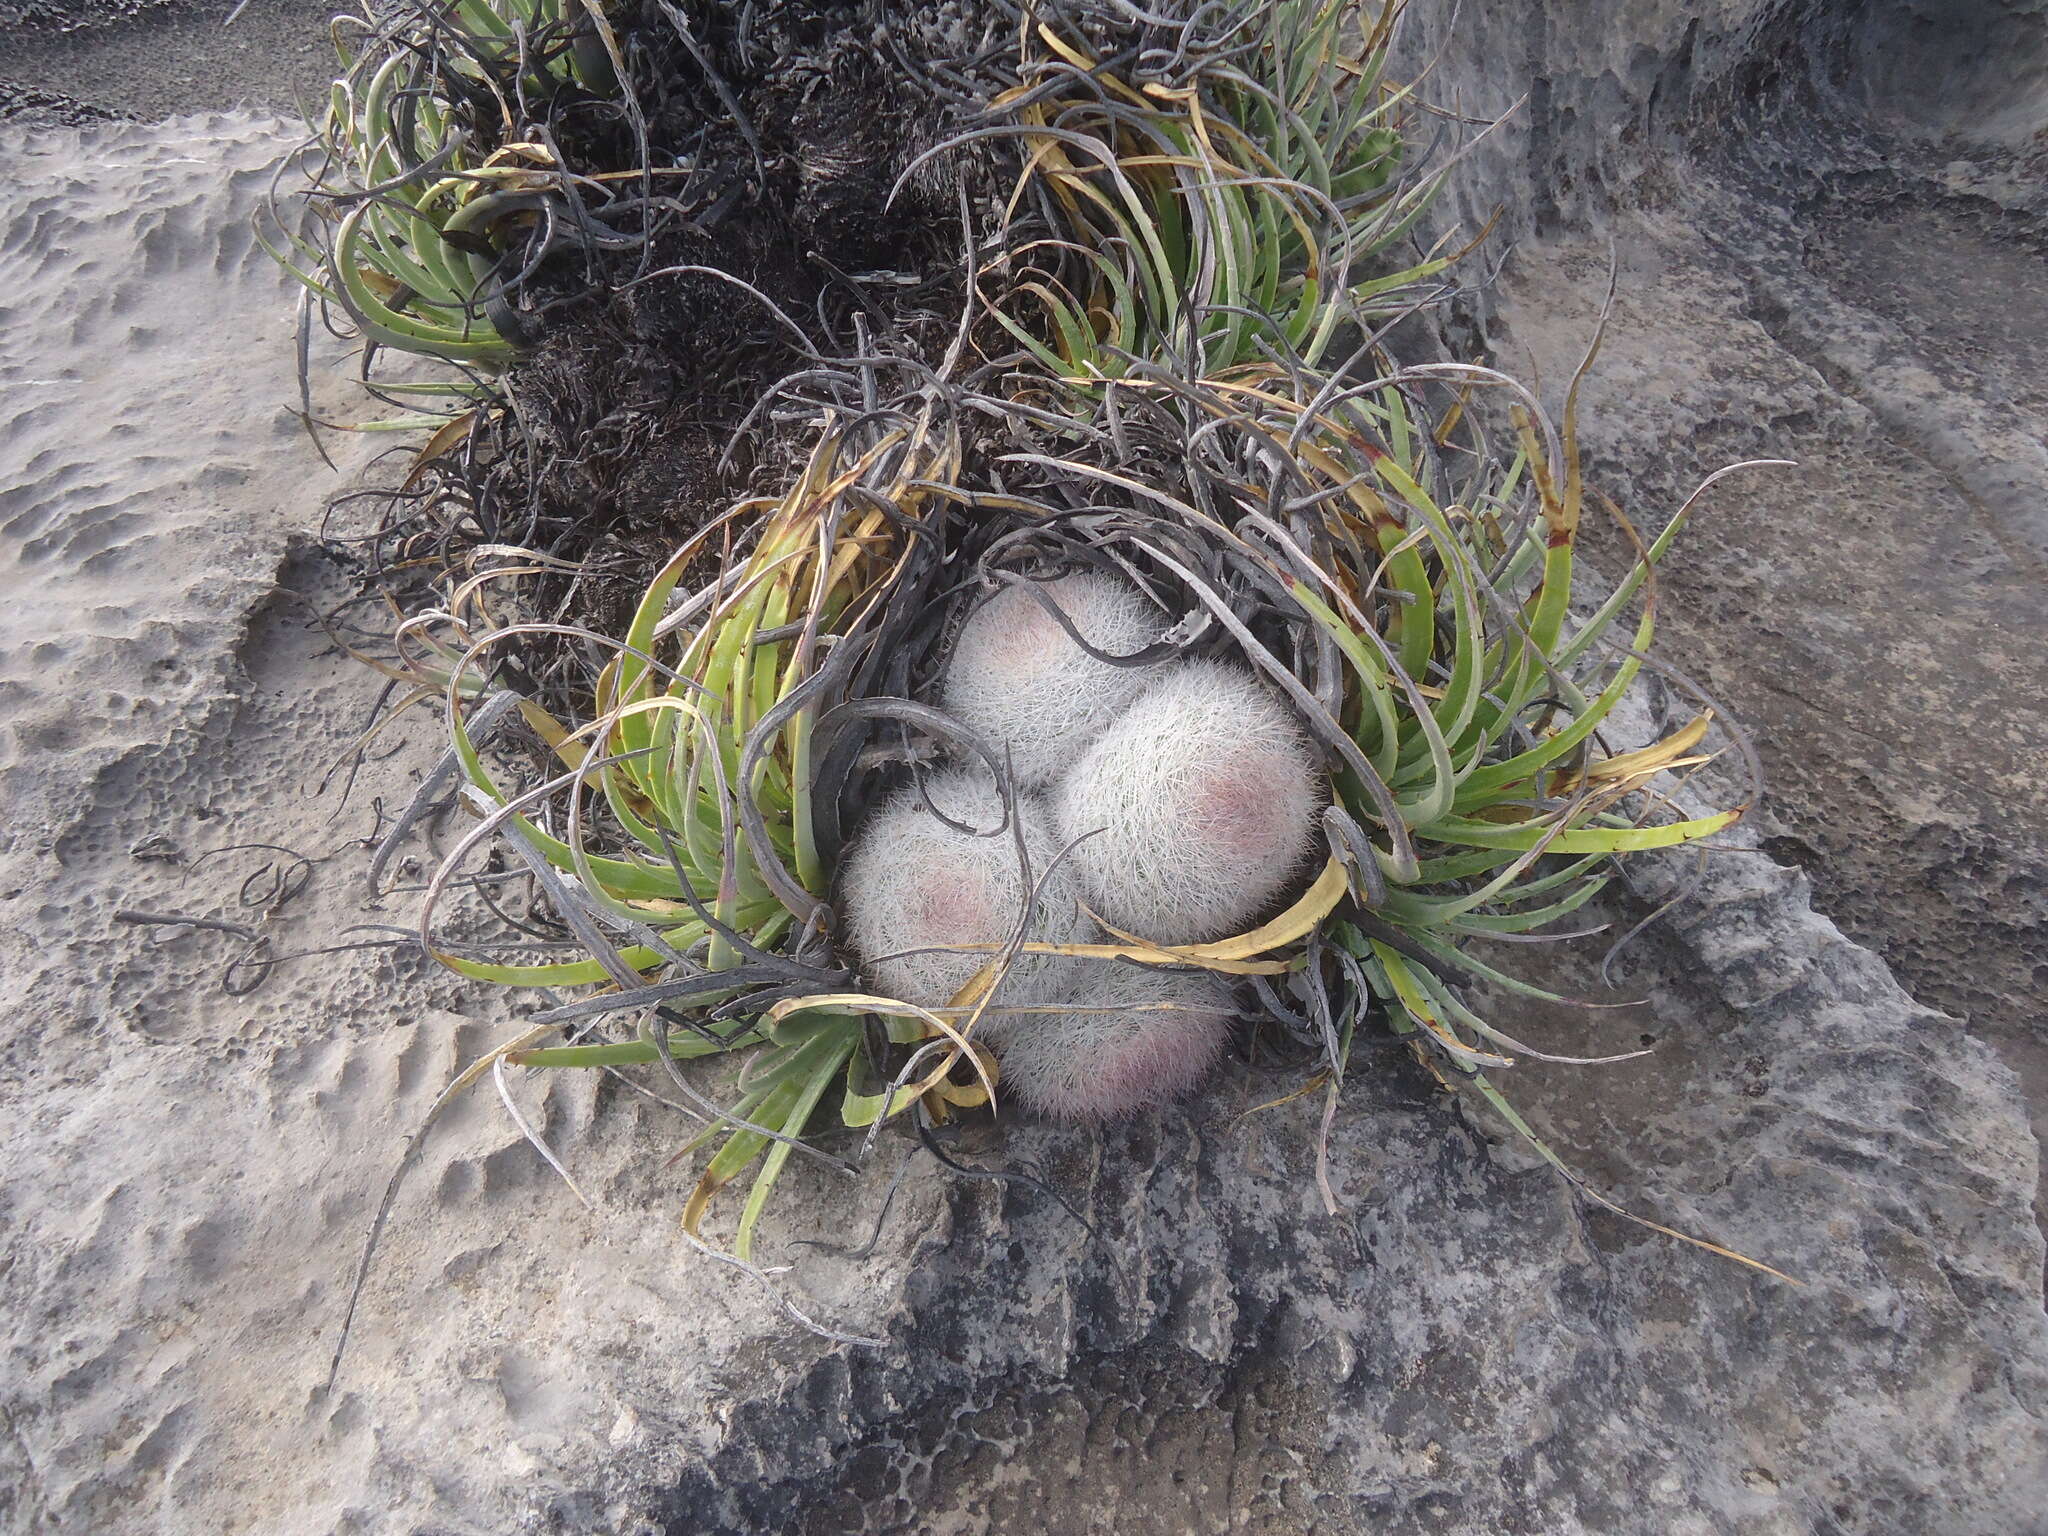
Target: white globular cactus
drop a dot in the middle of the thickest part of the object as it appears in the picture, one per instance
(1202, 802)
(1017, 679)
(911, 881)
(1128, 1038)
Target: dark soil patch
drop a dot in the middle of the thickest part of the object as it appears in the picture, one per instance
(638, 414)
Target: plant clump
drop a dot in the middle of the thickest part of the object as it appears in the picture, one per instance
(1292, 677)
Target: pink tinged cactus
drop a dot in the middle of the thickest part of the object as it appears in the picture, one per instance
(1202, 800)
(1017, 679)
(911, 882)
(1153, 1036)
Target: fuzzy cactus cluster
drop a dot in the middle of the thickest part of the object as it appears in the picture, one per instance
(1167, 800)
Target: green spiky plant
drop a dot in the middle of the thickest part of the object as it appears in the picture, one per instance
(1234, 203)
(695, 773)
(1444, 612)
(1422, 602)
(1412, 593)
(423, 187)
(1186, 331)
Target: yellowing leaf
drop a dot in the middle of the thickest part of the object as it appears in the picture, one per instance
(1231, 956)
(1643, 762)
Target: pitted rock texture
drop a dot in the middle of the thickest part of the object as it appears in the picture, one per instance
(1830, 243)
(1464, 1348)
(77, 60)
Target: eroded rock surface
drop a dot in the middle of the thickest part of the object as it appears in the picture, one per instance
(1828, 230)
